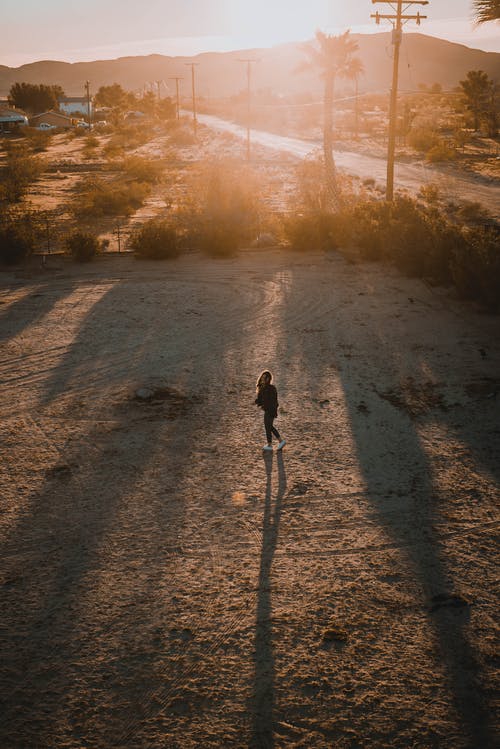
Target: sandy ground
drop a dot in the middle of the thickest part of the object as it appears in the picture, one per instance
(165, 585)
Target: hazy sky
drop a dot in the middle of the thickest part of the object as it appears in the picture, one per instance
(101, 29)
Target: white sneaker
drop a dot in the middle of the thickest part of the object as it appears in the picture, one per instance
(267, 447)
(281, 444)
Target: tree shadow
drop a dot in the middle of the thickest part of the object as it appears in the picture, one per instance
(32, 307)
(263, 697)
(399, 488)
(60, 552)
(52, 559)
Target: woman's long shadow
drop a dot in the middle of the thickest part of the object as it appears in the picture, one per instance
(264, 673)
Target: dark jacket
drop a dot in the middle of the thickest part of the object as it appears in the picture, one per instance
(267, 399)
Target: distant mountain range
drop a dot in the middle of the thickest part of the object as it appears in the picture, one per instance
(424, 59)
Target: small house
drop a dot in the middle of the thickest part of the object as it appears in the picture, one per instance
(55, 119)
(11, 119)
(74, 105)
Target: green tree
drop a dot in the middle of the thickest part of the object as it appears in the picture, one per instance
(113, 96)
(334, 57)
(487, 10)
(147, 103)
(477, 92)
(35, 98)
(166, 109)
(493, 110)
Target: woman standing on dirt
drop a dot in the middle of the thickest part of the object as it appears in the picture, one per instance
(267, 399)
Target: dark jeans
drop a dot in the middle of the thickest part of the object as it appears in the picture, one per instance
(270, 429)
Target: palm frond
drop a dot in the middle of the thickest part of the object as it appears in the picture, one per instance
(486, 10)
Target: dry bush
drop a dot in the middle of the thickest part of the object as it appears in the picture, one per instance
(224, 208)
(471, 213)
(143, 170)
(91, 141)
(182, 136)
(89, 148)
(18, 236)
(316, 230)
(430, 194)
(38, 140)
(441, 151)
(82, 246)
(156, 240)
(423, 139)
(21, 169)
(460, 246)
(312, 195)
(113, 149)
(475, 266)
(125, 138)
(99, 198)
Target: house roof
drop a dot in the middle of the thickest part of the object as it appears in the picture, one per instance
(52, 114)
(12, 115)
(72, 99)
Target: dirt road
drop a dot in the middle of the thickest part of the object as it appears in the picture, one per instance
(409, 177)
(164, 585)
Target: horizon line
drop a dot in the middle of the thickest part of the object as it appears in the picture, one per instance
(216, 45)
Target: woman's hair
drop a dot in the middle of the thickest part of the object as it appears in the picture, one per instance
(260, 382)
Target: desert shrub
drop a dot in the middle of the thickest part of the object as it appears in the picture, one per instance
(429, 194)
(224, 209)
(155, 240)
(21, 169)
(471, 213)
(143, 170)
(17, 237)
(113, 150)
(407, 236)
(182, 137)
(312, 192)
(89, 147)
(91, 141)
(419, 238)
(99, 198)
(127, 137)
(441, 151)
(317, 230)
(38, 140)
(367, 221)
(475, 266)
(82, 246)
(423, 139)
(416, 238)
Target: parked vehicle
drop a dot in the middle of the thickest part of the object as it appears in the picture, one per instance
(46, 126)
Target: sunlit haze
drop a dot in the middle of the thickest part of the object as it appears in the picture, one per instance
(95, 29)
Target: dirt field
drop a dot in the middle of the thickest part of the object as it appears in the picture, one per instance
(165, 585)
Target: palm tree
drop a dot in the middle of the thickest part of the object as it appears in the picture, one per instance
(335, 57)
(487, 10)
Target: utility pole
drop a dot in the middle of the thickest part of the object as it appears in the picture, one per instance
(118, 236)
(87, 88)
(176, 79)
(397, 19)
(192, 65)
(249, 74)
(356, 112)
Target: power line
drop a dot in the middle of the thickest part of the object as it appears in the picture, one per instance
(192, 65)
(248, 63)
(177, 79)
(87, 89)
(398, 19)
